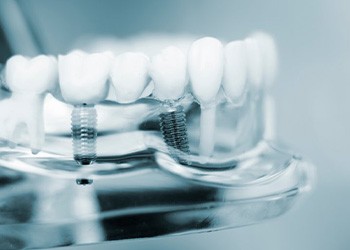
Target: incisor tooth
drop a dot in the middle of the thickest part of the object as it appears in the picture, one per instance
(269, 56)
(235, 72)
(255, 67)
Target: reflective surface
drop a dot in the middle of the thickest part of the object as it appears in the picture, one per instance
(141, 195)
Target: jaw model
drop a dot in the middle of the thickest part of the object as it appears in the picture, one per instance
(234, 69)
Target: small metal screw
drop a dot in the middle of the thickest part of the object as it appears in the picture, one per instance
(174, 131)
(84, 134)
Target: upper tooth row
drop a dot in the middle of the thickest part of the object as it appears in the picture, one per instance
(83, 78)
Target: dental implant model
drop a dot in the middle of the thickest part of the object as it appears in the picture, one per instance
(29, 80)
(205, 68)
(168, 71)
(83, 83)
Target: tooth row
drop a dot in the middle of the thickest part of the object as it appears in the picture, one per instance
(82, 78)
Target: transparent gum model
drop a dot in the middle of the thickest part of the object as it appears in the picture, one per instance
(147, 179)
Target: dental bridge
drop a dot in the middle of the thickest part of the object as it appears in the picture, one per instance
(183, 141)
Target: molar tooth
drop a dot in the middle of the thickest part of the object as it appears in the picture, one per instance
(31, 75)
(83, 77)
(205, 66)
(235, 71)
(129, 75)
(29, 80)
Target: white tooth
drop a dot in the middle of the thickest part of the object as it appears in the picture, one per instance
(168, 71)
(37, 75)
(129, 75)
(269, 55)
(29, 80)
(83, 77)
(255, 69)
(205, 65)
(235, 71)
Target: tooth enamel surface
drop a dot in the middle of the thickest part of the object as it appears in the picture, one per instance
(168, 71)
(83, 77)
(255, 67)
(29, 80)
(129, 75)
(31, 75)
(269, 55)
(235, 70)
(205, 67)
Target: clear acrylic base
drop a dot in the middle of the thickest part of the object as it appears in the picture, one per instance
(144, 193)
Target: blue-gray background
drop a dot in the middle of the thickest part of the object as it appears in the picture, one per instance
(312, 94)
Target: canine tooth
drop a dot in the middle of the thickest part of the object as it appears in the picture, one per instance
(168, 71)
(235, 71)
(205, 66)
(129, 75)
(29, 80)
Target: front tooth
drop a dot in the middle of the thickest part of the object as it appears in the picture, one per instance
(29, 80)
(235, 72)
(168, 71)
(269, 55)
(255, 66)
(205, 65)
(83, 77)
(129, 75)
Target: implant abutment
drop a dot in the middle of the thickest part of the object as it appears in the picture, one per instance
(84, 133)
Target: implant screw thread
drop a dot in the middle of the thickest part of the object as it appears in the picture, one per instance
(84, 133)
(174, 131)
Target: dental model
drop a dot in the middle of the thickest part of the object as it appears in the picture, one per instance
(129, 75)
(205, 67)
(29, 80)
(235, 71)
(83, 82)
(168, 71)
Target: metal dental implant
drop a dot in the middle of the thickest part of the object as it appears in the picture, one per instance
(168, 71)
(84, 133)
(174, 131)
(83, 82)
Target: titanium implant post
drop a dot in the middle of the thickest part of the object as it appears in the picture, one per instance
(174, 131)
(84, 133)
